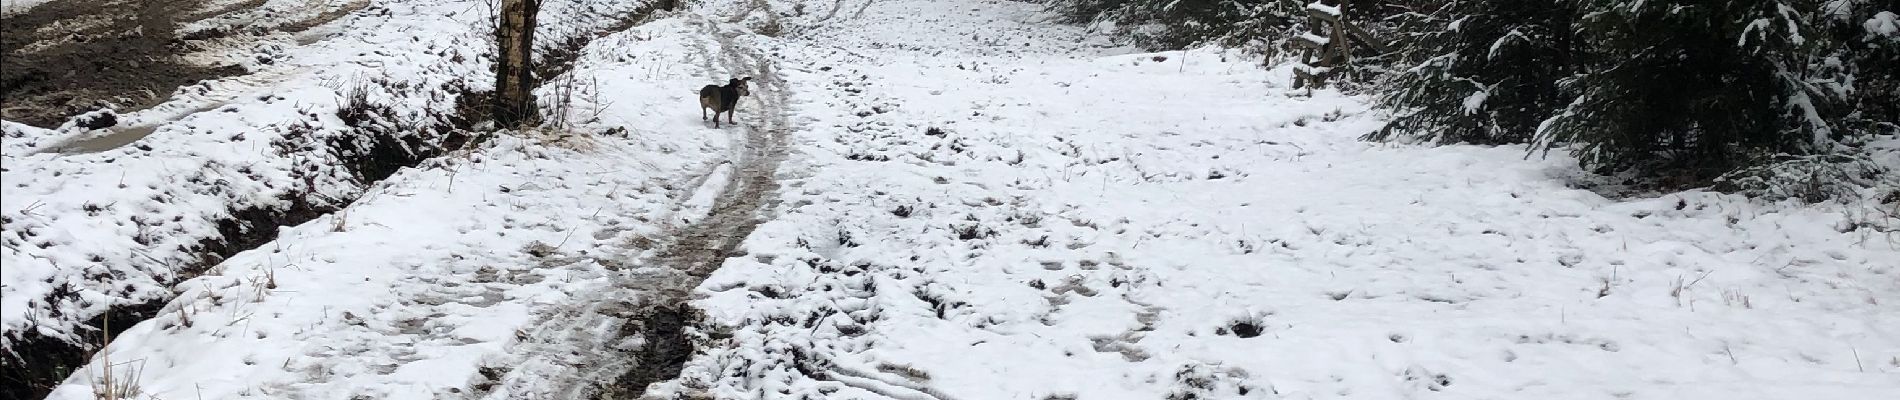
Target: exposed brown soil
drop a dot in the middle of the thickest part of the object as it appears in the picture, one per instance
(663, 352)
(38, 363)
(67, 57)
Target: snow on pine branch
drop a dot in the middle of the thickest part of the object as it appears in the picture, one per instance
(1884, 24)
(1324, 9)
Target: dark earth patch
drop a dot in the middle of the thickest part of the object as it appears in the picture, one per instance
(37, 363)
(663, 352)
(69, 57)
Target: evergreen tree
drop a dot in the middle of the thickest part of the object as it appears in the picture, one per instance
(1868, 36)
(1483, 72)
(1696, 88)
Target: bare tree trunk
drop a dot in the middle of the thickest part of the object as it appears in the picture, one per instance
(1344, 44)
(514, 74)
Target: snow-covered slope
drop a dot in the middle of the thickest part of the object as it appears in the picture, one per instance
(405, 292)
(297, 135)
(989, 211)
(138, 212)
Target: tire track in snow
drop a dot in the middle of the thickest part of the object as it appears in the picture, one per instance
(615, 341)
(702, 247)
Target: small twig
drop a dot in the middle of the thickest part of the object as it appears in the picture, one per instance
(570, 235)
(820, 321)
(30, 207)
(1699, 279)
(1857, 362)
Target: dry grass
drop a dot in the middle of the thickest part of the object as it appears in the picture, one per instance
(561, 138)
(340, 221)
(121, 385)
(111, 383)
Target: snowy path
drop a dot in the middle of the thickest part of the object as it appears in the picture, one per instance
(987, 206)
(613, 342)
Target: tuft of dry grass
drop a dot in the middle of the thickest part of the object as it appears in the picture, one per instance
(117, 386)
(184, 316)
(110, 383)
(340, 221)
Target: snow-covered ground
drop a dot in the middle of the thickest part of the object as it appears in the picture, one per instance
(979, 204)
(988, 210)
(136, 212)
(403, 293)
(87, 231)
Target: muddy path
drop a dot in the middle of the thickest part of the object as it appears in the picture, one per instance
(704, 246)
(67, 57)
(612, 343)
(72, 56)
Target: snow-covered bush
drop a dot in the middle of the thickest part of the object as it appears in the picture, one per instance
(1676, 92)
(1812, 178)
(1175, 24)
(1870, 51)
(1700, 86)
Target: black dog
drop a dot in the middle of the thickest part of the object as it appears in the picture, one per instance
(722, 99)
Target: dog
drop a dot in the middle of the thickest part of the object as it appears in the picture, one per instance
(722, 99)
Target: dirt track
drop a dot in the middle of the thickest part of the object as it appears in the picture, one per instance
(704, 246)
(72, 56)
(649, 303)
(68, 57)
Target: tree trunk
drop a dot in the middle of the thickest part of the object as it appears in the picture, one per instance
(514, 74)
(1344, 43)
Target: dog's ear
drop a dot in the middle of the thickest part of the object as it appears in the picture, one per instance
(748, 79)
